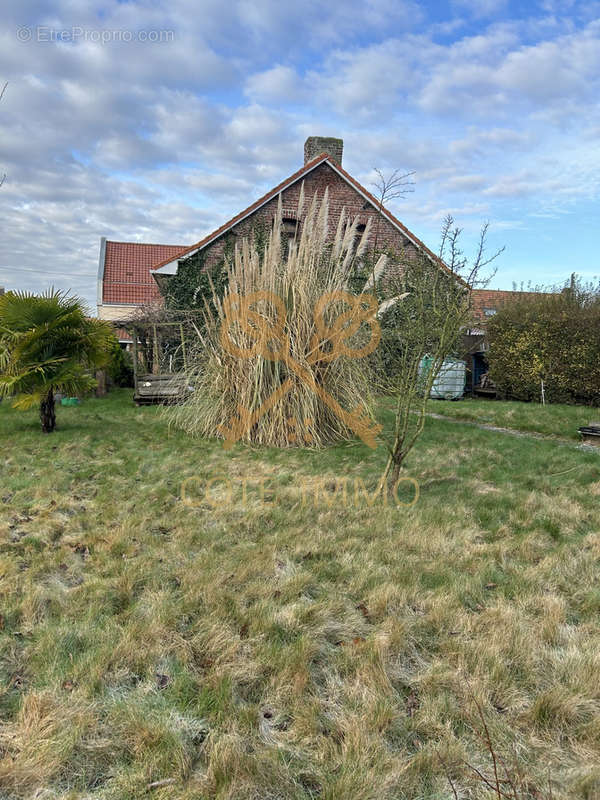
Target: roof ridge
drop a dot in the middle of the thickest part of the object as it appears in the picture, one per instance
(508, 291)
(147, 244)
(252, 207)
(322, 158)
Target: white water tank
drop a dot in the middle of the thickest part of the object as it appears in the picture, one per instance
(450, 381)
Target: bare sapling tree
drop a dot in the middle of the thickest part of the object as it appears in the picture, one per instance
(424, 330)
(505, 777)
(390, 187)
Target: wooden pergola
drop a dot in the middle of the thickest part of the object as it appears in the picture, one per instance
(160, 348)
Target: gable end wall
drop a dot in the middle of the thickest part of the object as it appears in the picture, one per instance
(341, 195)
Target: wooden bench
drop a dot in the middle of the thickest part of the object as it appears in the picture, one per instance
(165, 388)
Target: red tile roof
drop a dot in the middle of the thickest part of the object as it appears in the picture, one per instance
(492, 300)
(288, 182)
(127, 277)
(123, 335)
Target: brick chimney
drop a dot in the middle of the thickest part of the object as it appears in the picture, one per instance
(315, 145)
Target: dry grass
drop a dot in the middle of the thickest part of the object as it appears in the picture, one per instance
(293, 649)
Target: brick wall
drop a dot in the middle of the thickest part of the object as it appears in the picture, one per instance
(341, 195)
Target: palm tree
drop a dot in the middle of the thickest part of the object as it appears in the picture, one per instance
(48, 344)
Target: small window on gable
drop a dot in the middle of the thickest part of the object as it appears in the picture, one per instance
(489, 312)
(358, 234)
(289, 226)
(360, 229)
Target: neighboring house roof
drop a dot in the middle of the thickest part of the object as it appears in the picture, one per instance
(169, 265)
(124, 273)
(123, 335)
(485, 302)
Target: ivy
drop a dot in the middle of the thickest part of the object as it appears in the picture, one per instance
(191, 288)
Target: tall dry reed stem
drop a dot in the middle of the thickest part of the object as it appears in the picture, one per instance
(299, 271)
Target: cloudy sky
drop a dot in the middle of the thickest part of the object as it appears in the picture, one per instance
(156, 120)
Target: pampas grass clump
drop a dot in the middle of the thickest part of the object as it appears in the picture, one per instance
(299, 272)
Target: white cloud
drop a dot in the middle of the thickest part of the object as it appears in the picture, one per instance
(481, 8)
(279, 84)
(465, 183)
(495, 74)
(166, 141)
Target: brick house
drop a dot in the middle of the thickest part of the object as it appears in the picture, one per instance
(322, 170)
(130, 275)
(125, 280)
(485, 303)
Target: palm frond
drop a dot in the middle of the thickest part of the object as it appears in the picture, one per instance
(48, 341)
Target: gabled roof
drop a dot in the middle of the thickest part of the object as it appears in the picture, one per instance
(491, 300)
(243, 214)
(169, 265)
(124, 273)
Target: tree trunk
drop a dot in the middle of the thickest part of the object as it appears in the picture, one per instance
(393, 477)
(101, 389)
(47, 413)
(391, 474)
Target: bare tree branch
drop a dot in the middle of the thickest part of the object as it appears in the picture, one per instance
(454, 258)
(448, 777)
(425, 330)
(395, 185)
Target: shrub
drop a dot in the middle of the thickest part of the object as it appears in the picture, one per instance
(48, 343)
(551, 336)
(120, 366)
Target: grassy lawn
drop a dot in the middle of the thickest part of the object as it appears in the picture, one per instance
(271, 639)
(550, 420)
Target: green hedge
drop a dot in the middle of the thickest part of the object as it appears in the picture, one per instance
(552, 337)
